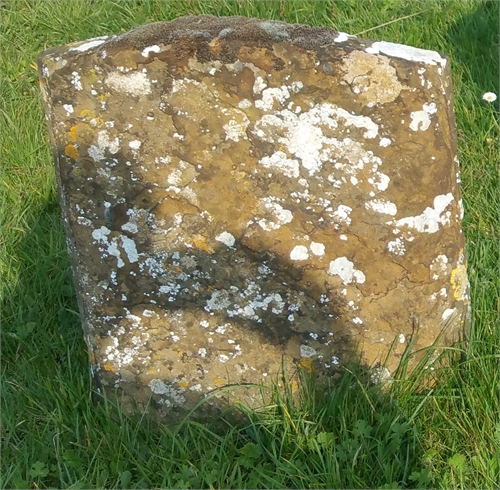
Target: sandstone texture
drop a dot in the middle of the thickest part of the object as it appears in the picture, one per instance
(241, 195)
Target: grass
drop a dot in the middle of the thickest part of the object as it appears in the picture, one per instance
(351, 436)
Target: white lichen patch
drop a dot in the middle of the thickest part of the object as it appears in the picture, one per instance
(244, 104)
(76, 80)
(382, 206)
(101, 236)
(130, 227)
(344, 268)
(226, 238)
(379, 180)
(397, 246)
(173, 395)
(136, 83)
(219, 300)
(341, 215)
(421, 120)
(358, 122)
(342, 37)
(103, 144)
(150, 49)
(280, 215)
(384, 142)
(245, 303)
(124, 355)
(182, 176)
(68, 108)
(83, 221)
(130, 249)
(299, 252)
(303, 134)
(236, 128)
(259, 85)
(135, 144)
(401, 338)
(407, 53)
(221, 329)
(317, 249)
(280, 162)
(448, 313)
(350, 158)
(269, 95)
(431, 219)
(439, 266)
(89, 44)
(307, 351)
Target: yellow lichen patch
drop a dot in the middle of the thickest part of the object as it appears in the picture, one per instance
(219, 382)
(92, 76)
(306, 364)
(89, 116)
(107, 367)
(182, 384)
(459, 282)
(71, 151)
(238, 176)
(81, 132)
(151, 371)
(294, 385)
(200, 242)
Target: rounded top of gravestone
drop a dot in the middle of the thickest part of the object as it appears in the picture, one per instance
(195, 33)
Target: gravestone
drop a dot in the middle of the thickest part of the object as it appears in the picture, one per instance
(241, 195)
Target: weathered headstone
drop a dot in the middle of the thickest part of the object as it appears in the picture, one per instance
(240, 193)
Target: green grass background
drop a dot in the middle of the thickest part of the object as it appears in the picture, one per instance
(352, 436)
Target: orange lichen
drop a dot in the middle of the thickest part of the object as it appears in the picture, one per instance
(215, 46)
(182, 384)
(107, 367)
(71, 151)
(81, 132)
(89, 116)
(200, 242)
(306, 364)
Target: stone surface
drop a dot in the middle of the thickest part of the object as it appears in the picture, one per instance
(238, 194)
